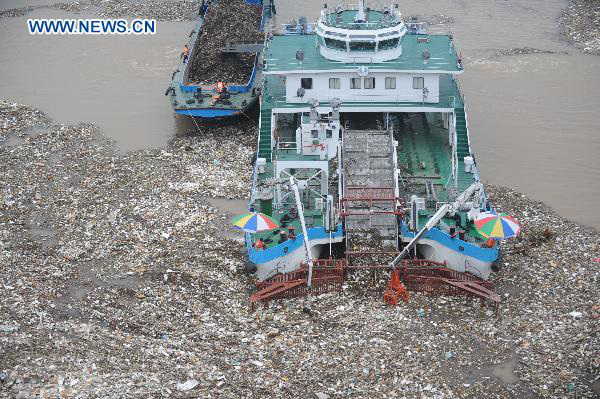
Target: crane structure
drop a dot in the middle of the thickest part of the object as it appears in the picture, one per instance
(449, 208)
(293, 184)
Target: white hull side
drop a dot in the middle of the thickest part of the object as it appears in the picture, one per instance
(291, 261)
(433, 250)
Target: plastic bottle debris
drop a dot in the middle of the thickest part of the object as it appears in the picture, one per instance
(7, 329)
(186, 386)
(576, 315)
(570, 387)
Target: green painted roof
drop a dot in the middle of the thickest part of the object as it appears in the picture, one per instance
(281, 56)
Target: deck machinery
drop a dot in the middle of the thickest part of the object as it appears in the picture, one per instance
(367, 115)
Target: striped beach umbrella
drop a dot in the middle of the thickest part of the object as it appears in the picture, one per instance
(497, 226)
(254, 222)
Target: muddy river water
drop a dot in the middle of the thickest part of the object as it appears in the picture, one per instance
(532, 117)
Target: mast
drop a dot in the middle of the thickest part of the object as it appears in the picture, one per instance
(360, 15)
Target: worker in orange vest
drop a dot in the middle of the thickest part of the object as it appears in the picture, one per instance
(259, 244)
(185, 54)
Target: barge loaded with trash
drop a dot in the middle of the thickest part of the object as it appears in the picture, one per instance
(218, 74)
(364, 163)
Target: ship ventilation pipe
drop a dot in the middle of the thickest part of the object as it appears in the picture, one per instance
(300, 56)
(425, 55)
(314, 115)
(335, 105)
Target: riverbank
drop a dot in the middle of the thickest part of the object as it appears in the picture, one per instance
(580, 25)
(116, 285)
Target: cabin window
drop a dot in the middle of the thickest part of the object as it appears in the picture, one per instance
(390, 83)
(362, 46)
(328, 133)
(306, 83)
(418, 83)
(334, 83)
(314, 134)
(355, 83)
(369, 83)
(388, 44)
(335, 44)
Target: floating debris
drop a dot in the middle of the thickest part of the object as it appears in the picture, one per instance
(179, 10)
(15, 118)
(580, 25)
(16, 12)
(523, 51)
(93, 305)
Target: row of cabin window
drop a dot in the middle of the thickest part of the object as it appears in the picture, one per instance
(361, 46)
(355, 83)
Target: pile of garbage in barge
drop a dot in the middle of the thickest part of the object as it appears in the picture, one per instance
(226, 21)
(117, 282)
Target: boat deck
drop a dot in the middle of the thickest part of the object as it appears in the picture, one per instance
(185, 101)
(281, 56)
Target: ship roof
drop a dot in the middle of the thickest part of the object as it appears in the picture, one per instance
(376, 20)
(280, 56)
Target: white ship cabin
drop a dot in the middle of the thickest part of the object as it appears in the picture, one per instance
(363, 56)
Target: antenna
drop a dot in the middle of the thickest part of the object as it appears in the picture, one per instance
(360, 15)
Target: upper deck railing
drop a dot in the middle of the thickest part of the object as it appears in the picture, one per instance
(339, 18)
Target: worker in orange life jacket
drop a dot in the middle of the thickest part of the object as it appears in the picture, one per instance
(220, 87)
(259, 244)
(185, 54)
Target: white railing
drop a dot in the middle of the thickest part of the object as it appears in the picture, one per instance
(301, 101)
(455, 151)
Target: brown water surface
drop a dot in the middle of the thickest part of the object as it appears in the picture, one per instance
(117, 82)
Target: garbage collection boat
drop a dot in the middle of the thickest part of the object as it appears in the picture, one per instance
(217, 99)
(364, 137)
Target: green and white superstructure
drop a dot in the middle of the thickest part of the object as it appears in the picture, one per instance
(367, 116)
